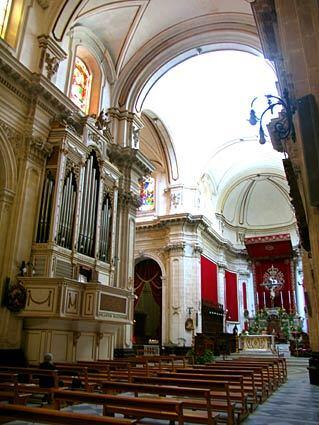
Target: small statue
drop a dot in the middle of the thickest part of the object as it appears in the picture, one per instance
(102, 120)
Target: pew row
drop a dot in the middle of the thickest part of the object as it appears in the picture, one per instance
(9, 412)
(169, 409)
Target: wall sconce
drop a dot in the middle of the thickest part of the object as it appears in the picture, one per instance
(283, 127)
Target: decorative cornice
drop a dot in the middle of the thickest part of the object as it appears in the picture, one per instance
(32, 86)
(199, 221)
(128, 158)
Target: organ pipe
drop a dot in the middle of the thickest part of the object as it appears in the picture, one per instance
(105, 236)
(46, 209)
(66, 218)
(87, 230)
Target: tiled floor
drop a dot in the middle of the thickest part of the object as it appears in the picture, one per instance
(295, 403)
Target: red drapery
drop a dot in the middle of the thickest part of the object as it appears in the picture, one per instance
(231, 296)
(244, 296)
(208, 280)
(284, 297)
(148, 271)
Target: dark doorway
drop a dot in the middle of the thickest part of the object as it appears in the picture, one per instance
(148, 303)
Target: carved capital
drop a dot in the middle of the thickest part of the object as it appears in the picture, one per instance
(177, 247)
(127, 198)
(38, 148)
(197, 249)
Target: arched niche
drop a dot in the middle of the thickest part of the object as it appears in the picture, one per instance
(148, 309)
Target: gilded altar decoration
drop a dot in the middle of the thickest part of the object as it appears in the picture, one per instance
(257, 342)
(15, 296)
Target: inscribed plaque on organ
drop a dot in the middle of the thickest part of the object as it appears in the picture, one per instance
(113, 304)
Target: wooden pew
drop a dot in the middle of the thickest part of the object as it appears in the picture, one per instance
(69, 371)
(32, 376)
(9, 412)
(236, 387)
(117, 369)
(248, 381)
(221, 401)
(9, 389)
(156, 408)
(261, 379)
(268, 371)
(192, 397)
(279, 362)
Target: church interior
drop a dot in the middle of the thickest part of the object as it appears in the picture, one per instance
(135, 219)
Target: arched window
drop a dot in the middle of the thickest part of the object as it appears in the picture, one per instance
(10, 18)
(81, 85)
(5, 7)
(147, 194)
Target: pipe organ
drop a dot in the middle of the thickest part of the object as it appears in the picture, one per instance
(79, 254)
(66, 218)
(88, 214)
(46, 209)
(106, 229)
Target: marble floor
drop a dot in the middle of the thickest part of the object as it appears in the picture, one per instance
(294, 403)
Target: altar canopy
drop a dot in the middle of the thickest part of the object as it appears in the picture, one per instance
(272, 271)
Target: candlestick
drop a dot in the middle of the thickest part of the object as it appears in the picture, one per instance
(281, 299)
(257, 300)
(264, 299)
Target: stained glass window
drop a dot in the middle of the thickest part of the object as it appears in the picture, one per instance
(81, 85)
(5, 7)
(147, 193)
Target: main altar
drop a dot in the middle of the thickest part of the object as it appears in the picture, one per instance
(257, 343)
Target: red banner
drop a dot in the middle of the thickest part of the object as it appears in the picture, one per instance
(208, 280)
(231, 296)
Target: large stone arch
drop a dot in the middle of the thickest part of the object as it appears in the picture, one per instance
(177, 44)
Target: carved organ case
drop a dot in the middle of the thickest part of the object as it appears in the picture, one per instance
(75, 236)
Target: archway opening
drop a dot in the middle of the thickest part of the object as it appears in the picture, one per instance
(148, 303)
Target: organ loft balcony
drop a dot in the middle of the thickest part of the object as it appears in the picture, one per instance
(56, 298)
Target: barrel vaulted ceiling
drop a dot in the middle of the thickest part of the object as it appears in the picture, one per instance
(125, 27)
(142, 39)
(145, 38)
